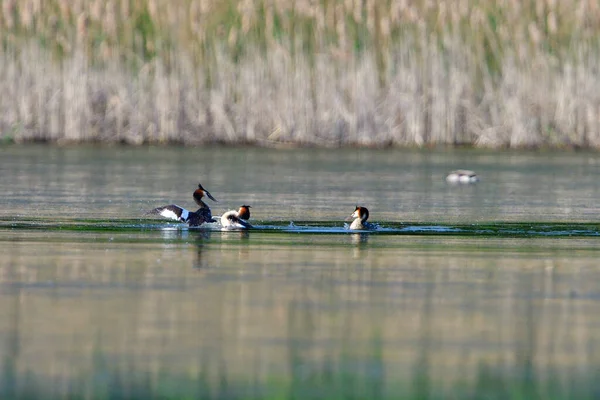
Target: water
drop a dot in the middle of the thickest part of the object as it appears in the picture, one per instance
(475, 291)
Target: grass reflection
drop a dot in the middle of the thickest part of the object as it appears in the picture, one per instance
(345, 377)
(230, 315)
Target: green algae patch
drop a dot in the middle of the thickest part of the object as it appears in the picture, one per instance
(485, 229)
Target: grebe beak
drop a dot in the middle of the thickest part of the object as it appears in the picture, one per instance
(353, 216)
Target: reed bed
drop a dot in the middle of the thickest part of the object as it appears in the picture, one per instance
(323, 72)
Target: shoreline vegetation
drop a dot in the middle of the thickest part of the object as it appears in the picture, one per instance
(330, 73)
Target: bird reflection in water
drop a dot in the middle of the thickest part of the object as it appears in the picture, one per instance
(360, 242)
(196, 237)
(170, 233)
(200, 237)
(241, 234)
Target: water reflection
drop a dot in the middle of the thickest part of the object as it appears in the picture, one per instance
(200, 238)
(169, 233)
(359, 241)
(242, 235)
(197, 239)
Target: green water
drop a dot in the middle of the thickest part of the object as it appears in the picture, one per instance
(484, 291)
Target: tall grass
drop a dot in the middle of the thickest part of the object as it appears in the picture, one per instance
(326, 73)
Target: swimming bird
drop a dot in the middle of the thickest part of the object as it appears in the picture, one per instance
(193, 218)
(237, 219)
(360, 216)
(462, 176)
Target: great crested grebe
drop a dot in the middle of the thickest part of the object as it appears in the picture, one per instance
(462, 176)
(192, 218)
(360, 216)
(237, 219)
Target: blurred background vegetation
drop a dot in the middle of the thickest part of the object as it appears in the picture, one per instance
(503, 73)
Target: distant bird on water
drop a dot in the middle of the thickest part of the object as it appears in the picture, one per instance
(462, 176)
(192, 218)
(237, 219)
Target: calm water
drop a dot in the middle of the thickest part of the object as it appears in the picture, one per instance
(489, 290)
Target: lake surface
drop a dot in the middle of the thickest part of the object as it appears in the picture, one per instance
(487, 290)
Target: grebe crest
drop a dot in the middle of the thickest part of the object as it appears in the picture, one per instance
(244, 212)
(237, 219)
(199, 194)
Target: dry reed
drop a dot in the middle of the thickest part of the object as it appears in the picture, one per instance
(327, 73)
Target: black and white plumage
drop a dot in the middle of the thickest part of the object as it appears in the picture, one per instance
(192, 218)
(237, 219)
(462, 176)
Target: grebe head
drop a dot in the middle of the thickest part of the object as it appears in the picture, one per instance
(199, 194)
(244, 212)
(360, 212)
